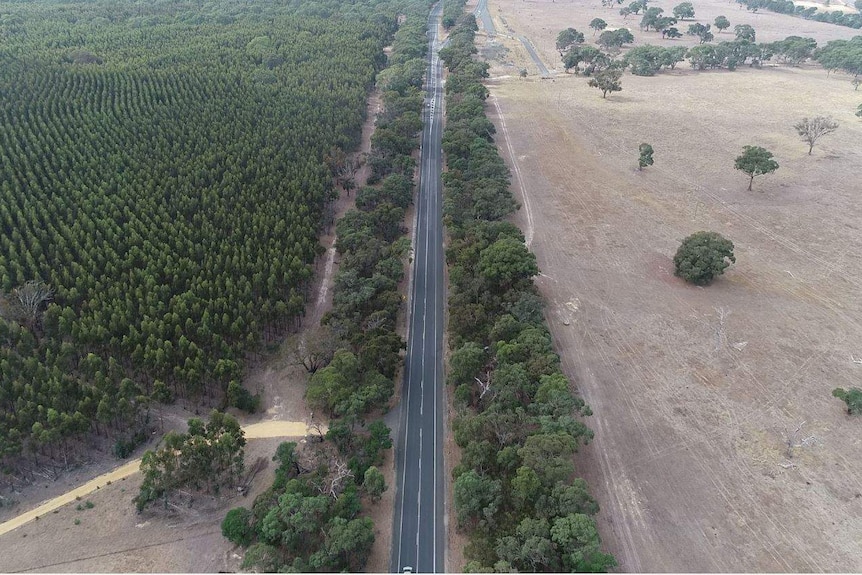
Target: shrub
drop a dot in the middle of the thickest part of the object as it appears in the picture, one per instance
(237, 528)
(852, 397)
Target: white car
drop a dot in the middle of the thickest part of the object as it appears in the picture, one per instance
(407, 569)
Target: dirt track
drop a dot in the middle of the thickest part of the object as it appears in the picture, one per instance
(697, 392)
(260, 430)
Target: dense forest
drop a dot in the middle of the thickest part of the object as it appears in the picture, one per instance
(311, 518)
(518, 422)
(163, 177)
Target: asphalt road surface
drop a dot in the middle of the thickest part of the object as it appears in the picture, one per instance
(485, 17)
(543, 71)
(419, 532)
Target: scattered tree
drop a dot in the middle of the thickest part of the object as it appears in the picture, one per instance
(755, 161)
(684, 10)
(663, 23)
(615, 38)
(607, 81)
(852, 397)
(721, 23)
(645, 158)
(522, 73)
(597, 25)
(568, 38)
(636, 7)
(701, 31)
(625, 12)
(812, 129)
(744, 32)
(702, 257)
(859, 111)
(651, 15)
(671, 33)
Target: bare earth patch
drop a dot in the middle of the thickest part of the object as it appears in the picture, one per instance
(718, 446)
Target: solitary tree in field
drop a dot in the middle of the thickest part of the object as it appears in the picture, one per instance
(815, 128)
(523, 73)
(702, 257)
(852, 397)
(598, 25)
(755, 161)
(607, 81)
(645, 158)
(721, 23)
(625, 12)
(859, 111)
(683, 10)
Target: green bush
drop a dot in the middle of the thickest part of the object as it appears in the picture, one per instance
(237, 527)
(852, 397)
(702, 257)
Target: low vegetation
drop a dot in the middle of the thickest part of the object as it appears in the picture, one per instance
(518, 422)
(208, 458)
(812, 129)
(851, 397)
(645, 158)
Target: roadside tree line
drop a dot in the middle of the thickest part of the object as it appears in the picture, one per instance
(311, 518)
(518, 422)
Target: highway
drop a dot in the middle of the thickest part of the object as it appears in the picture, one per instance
(485, 18)
(418, 524)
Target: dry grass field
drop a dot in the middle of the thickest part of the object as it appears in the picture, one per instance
(718, 445)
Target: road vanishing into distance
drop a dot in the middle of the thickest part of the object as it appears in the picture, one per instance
(419, 539)
(485, 17)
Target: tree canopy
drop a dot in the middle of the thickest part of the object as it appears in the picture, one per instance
(597, 24)
(518, 424)
(645, 159)
(683, 10)
(702, 257)
(755, 161)
(568, 38)
(607, 81)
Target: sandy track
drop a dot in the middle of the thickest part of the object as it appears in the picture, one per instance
(260, 430)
